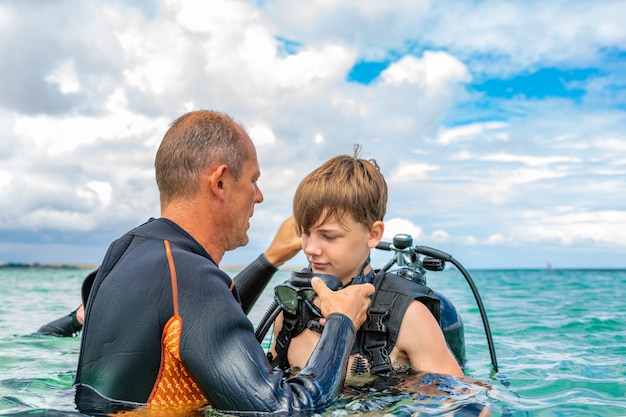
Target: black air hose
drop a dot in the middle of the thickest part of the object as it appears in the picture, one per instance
(266, 321)
(435, 253)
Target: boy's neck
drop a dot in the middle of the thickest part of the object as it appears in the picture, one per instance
(363, 271)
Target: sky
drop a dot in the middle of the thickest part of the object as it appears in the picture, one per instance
(500, 126)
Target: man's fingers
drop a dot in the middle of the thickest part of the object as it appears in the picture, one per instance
(368, 289)
(352, 301)
(321, 289)
(319, 286)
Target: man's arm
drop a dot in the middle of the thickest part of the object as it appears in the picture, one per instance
(251, 281)
(219, 348)
(65, 326)
(285, 245)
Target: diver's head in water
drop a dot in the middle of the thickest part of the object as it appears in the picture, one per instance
(339, 210)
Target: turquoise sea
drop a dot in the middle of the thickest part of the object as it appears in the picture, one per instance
(560, 339)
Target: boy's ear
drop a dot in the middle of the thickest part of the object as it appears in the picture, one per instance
(376, 233)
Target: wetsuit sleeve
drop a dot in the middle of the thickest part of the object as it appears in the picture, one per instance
(220, 351)
(252, 280)
(65, 326)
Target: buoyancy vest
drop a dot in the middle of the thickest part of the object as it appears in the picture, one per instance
(377, 337)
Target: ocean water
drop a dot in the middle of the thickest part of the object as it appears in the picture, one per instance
(560, 340)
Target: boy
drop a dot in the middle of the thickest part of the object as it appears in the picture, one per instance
(339, 210)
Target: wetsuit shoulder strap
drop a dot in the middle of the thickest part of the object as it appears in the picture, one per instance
(373, 340)
(174, 385)
(380, 332)
(173, 277)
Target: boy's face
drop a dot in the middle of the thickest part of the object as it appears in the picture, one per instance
(340, 250)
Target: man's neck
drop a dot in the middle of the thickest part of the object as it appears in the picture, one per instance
(187, 215)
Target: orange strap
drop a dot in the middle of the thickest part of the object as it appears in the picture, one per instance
(170, 261)
(174, 386)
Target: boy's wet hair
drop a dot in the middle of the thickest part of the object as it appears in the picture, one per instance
(342, 185)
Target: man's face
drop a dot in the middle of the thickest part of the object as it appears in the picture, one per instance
(337, 249)
(244, 195)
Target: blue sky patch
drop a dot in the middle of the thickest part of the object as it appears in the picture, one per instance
(365, 72)
(547, 82)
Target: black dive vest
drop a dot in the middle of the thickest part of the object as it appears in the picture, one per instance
(377, 337)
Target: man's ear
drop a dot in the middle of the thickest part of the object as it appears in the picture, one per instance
(376, 233)
(216, 179)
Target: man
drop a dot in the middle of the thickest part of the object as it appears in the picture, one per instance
(165, 327)
(339, 208)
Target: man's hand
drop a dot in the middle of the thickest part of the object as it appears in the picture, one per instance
(286, 244)
(352, 301)
(80, 314)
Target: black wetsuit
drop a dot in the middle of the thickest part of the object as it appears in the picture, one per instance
(66, 326)
(131, 300)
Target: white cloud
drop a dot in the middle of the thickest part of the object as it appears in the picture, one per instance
(611, 144)
(65, 76)
(433, 70)
(262, 135)
(498, 186)
(440, 236)
(528, 160)
(408, 172)
(314, 66)
(200, 16)
(397, 226)
(476, 131)
(102, 190)
(5, 178)
(43, 218)
(573, 225)
(496, 239)
(59, 136)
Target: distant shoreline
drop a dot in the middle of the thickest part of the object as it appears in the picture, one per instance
(38, 265)
(91, 267)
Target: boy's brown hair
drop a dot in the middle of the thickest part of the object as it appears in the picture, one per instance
(342, 185)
